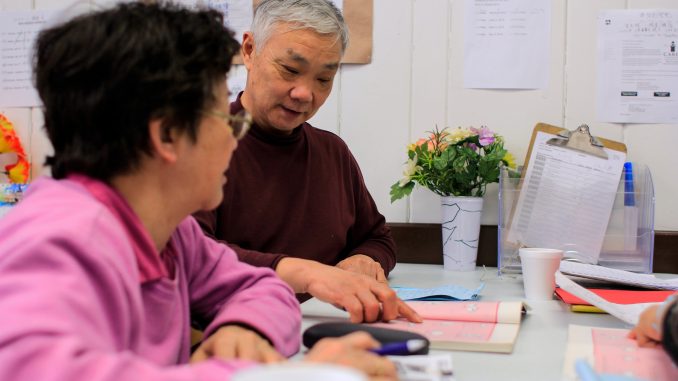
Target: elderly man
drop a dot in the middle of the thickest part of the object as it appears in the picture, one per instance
(300, 205)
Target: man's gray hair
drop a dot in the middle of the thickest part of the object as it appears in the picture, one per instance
(320, 15)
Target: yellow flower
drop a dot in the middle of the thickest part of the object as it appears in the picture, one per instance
(457, 135)
(509, 160)
(411, 168)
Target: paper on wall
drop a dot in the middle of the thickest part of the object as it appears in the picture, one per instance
(506, 44)
(638, 66)
(18, 31)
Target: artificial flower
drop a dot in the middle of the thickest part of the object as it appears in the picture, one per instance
(411, 168)
(456, 162)
(10, 143)
(458, 134)
(485, 136)
(509, 160)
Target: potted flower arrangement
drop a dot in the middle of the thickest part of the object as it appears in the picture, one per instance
(456, 164)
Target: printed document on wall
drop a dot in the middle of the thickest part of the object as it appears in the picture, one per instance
(238, 14)
(18, 30)
(506, 44)
(638, 66)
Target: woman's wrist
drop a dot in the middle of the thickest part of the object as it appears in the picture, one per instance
(663, 309)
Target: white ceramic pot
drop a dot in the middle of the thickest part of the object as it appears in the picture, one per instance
(461, 229)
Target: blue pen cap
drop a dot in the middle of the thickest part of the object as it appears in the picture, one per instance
(629, 196)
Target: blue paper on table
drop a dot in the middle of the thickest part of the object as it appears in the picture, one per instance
(445, 292)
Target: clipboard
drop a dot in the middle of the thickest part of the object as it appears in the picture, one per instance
(579, 139)
(566, 198)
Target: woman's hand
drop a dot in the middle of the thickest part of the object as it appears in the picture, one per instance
(646, 332)
(235, 342)
(352, 351)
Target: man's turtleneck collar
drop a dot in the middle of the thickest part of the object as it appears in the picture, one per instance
(267, 136)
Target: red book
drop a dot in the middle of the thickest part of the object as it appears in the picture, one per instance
(618, 296)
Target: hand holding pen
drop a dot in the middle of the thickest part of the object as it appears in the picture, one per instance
(400, 348)
(352, 350)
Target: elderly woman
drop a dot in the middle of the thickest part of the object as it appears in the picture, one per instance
(102, 269)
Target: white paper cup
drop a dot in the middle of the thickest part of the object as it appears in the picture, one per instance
(539, 269)
(299, 371)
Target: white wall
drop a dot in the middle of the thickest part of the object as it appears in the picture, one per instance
(415, 82)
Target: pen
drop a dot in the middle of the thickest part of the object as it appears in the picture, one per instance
(630, 210)
(629, 199)
(400, 348)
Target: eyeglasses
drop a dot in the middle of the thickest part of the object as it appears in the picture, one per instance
(240, 123)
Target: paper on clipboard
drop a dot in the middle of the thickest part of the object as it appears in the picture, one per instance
(566, 197)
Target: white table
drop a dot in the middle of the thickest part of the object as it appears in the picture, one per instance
(539, 351)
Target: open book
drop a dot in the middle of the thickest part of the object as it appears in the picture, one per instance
(612, 353)
(629, 313)
(584, 270)
(466, 326)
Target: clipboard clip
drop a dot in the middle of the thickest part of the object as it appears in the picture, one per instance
(579, 139)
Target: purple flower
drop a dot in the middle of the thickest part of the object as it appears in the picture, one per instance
(485, 136)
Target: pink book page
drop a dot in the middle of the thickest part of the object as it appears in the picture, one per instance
(440, 330)
(459, 311)
(614, 353)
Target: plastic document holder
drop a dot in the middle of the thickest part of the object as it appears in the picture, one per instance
(628, 242)
(616, 251)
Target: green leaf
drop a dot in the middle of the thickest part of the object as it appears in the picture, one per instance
(440, 162)
(454, 169)
(423, 149)
(398, 192)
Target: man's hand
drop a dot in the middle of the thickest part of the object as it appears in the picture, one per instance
(351, 350)
(646, 332)
(363, 297)
(235, 342)
(362, 264)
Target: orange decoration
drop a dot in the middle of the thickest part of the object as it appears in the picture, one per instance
(10, 143)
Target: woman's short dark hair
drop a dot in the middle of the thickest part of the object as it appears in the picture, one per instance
(103, 76)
